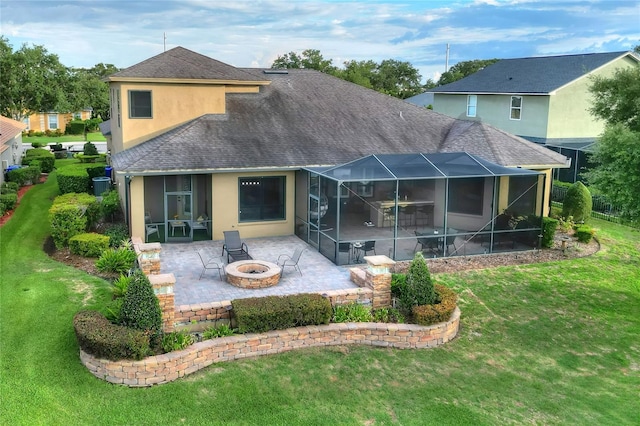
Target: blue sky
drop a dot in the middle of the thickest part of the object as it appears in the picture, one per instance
(253, 33)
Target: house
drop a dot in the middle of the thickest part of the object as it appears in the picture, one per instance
(199, 147)
(10, 143)
(52, 121)
(423, 99)
(542, 99)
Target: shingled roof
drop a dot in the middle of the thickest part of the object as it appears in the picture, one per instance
(184, 64)
(8, 130)
(537, 75)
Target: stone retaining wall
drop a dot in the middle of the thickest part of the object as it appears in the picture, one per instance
(169, 367)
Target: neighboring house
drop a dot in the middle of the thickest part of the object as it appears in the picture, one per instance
(199, 147)
(53, 121)
(423, 99)
(10, 143)
(543, 99)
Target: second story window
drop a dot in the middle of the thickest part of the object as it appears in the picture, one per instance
(472, 105)
(53, 121)
(516, 108)
(140, 104)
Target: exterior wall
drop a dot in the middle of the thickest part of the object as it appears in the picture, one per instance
(136, 206)
(459, 220)
(40, 122)
(11, 152)
(569, 115)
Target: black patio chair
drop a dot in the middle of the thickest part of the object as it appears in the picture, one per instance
(369, 246)
(235, 248)
(345, 248)
(285, 260)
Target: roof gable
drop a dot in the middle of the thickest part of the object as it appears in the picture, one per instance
(535, 75)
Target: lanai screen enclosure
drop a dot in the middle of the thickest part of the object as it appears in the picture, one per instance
(445, 204)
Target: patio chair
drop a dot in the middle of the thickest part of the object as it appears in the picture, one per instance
(369, 246)
(427, 242)
(345, 248)
(234, 246)
(286, 260)
(150, 228)
(201, 223)
(213, 263)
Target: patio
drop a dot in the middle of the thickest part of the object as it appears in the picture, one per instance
(318, 273)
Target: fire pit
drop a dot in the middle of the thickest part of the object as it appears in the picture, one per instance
(253, 274)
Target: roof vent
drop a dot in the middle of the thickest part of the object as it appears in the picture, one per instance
(275, 71)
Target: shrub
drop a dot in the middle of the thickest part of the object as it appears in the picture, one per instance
(176, 340)
(99, 337)
(549, 226)
(95, 170)
(113, 309)
(387, 315)
(73, 179)
(46, 158)
(111, 204)
(436, 312)
(19, 176)
(75, 127)
(8, 201)
(584, 233)
(72, 214)
(9, 188)
(120, 285)
(141, 309)
(90, 149)
(352, 312)
(117, 260)
(88, 244)
(220, 331)
(117, 232)
(257, 315)
(577, 202)
(420, 290)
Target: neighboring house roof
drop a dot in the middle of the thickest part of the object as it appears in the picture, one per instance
(537, 75)
(579, 144)
(307, 118)
(423, 99)
(105, 127)
(184, 64)
(9, 129)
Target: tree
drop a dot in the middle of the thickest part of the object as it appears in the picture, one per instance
(616, 99)
(358, 72)
(88, 89)
(577, 203)
(396, 78)
(463, 69)
(419, 285)
(309, 59)
(31, 80)
(617, 170)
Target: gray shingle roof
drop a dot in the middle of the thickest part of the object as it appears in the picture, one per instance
(306, 118)
(184, 64)
(538, 75)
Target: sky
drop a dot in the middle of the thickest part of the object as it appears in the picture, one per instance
(253, 33)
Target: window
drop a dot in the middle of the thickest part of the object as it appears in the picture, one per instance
(523, 192)
(53, 121)
(140, 104)
(472, 104)
(26, 122)
(466, 196)
(77, 116)
(516, 108)
(262, 198)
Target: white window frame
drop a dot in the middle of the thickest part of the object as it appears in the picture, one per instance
(49, 121)
(472, 102)
(26, 120)
(515, 108)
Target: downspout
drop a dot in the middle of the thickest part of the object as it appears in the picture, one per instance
(127, 190)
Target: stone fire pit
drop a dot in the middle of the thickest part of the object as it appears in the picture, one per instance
(253, 274)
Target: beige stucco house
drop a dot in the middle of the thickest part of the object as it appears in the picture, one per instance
(43, 121)
(199, 147)
(542, 99)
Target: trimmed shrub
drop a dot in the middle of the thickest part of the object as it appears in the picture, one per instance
(8, 201)
(352, 312)
(73, 179)
(260, 314)
(437, 312)
(90, 149)
(420, 290)
(141, 309)
(9, 188)
(584, 233)
(95, 170)
(75, 127)
(88, 244)
(19, 176)
(549, 226)
(577, 203)
(117, 232)
(117, 260)
(72, 214)
(46, 158)
(99, 337)
(111, 207)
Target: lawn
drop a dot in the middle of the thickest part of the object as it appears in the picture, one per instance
(551, 343)
(91, 137)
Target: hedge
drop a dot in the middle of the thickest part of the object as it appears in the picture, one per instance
(89, 244)
(72, 214)
(46, 158)
(73, 179)
(437, 312)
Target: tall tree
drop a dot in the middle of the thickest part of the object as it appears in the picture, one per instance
(88, 89)
(359, 72)
(309, 59)
(616, 99)
(463, 69)
(396, 78)
(31, 80)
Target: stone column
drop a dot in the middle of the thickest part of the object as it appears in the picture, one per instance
(148, 256)
(163, 288)
(378, 279)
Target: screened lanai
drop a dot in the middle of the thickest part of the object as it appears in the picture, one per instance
(444, 204)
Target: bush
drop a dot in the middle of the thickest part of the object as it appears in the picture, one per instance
(120, 285)
(117, 260)
(73, 179)
(93, 124)
(8, 201)
(387, 315)
(584, 233)
(9, 188)
(141, 309)
(90, 149)
(176, 340)
(117, 232)
(257, 315)
(111, 205)
(420, 290)
(95, 170)
(220, 331)
(99, 337)
(19, 176)
(577, 202)
(75, 127)
(46, 158)
(549, 226)
(72, 214)
(352, 312)
(113, 309)
(88, 244)
(437, 312)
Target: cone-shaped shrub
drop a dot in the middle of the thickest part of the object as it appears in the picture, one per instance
(577, 203)
(140, 308)
(419, 285)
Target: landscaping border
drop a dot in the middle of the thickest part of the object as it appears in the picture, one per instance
(171, 366)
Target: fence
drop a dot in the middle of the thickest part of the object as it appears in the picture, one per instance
(600, 207)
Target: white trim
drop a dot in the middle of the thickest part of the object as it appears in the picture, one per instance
(512, 108)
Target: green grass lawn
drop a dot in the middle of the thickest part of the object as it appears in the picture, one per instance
(91, 137)
(551, 343)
